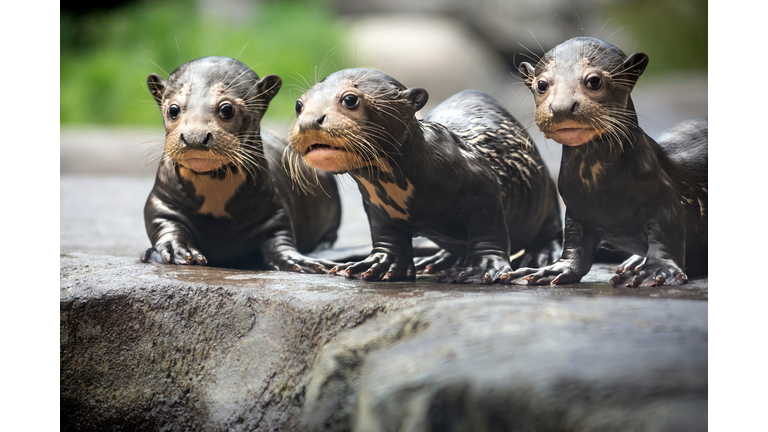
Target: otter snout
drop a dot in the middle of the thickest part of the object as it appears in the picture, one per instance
(196, 138)
(563, 108)
(311, 121)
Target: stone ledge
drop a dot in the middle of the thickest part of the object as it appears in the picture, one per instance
(194, 348)
(517, 363)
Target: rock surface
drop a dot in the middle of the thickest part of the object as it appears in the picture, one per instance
(159, 347)
(517, 363)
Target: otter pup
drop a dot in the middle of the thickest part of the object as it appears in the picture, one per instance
(467, 177)
(622, 189)
(222, 195)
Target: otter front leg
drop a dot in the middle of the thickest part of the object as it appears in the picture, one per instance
(663, 264)
(390, 260)
(579, 249)
(487, 253)
(279, 250)
(171, 244)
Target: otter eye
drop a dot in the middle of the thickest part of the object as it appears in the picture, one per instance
(594, 82)
(173, 111)
(350, 101)
(299, 107)
(542, 86)
(226, 111)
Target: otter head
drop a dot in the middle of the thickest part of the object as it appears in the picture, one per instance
(212, 108)
(354, 118)
(582, 90)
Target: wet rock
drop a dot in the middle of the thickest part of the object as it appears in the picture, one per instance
(149, 347)
(155, 347)
(517, 363)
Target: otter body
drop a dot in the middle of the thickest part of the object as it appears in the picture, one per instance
(222, 195)
(622, 189)
(467, 177)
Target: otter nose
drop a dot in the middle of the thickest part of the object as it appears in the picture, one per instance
(563, 107)
(196, 139)
(312, 121)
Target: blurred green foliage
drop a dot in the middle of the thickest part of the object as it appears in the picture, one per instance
(106, 56)
(672, 33)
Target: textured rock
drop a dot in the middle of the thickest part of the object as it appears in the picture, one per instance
(518, 363)
(153, 347)
(146, 347)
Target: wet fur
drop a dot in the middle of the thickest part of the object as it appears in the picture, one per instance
(245, 213)
(467, 176)
(623, 190)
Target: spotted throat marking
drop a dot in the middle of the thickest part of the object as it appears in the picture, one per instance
(394, 193)
(216, 193)
(595, 171)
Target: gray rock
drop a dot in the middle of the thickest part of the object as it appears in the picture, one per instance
(154, 347)
(518, 363)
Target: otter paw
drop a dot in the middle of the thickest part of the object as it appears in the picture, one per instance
(561, 272)
(296, 262)
(378, 267)
(630, 263)
(484, 270)
(173, 253)
(439, 261)
(648, 275)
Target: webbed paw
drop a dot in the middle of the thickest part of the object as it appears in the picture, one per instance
(378, 266)
(439, 261)
(561, 272)
(638, 272)
(174, 252)
(296, 262)
(482, 270)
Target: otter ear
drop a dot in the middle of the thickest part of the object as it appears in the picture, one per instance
(527, 73)
(156, 87)
(635, 64)
(416, 96)
(269, 86)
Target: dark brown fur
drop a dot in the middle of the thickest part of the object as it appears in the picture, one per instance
(623, 190)
(222, 196)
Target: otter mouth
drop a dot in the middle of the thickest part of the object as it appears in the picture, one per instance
(321, 148)
(572, 134)
(201, 161)
(327, 157)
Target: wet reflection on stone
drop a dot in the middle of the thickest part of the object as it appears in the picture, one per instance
(593, 284)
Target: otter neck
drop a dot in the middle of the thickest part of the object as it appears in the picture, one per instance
(383, 184)
(396, 159)
(598, 164)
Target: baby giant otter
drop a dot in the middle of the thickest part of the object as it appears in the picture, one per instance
(467, 176)
(622, 189)
(222, 195)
